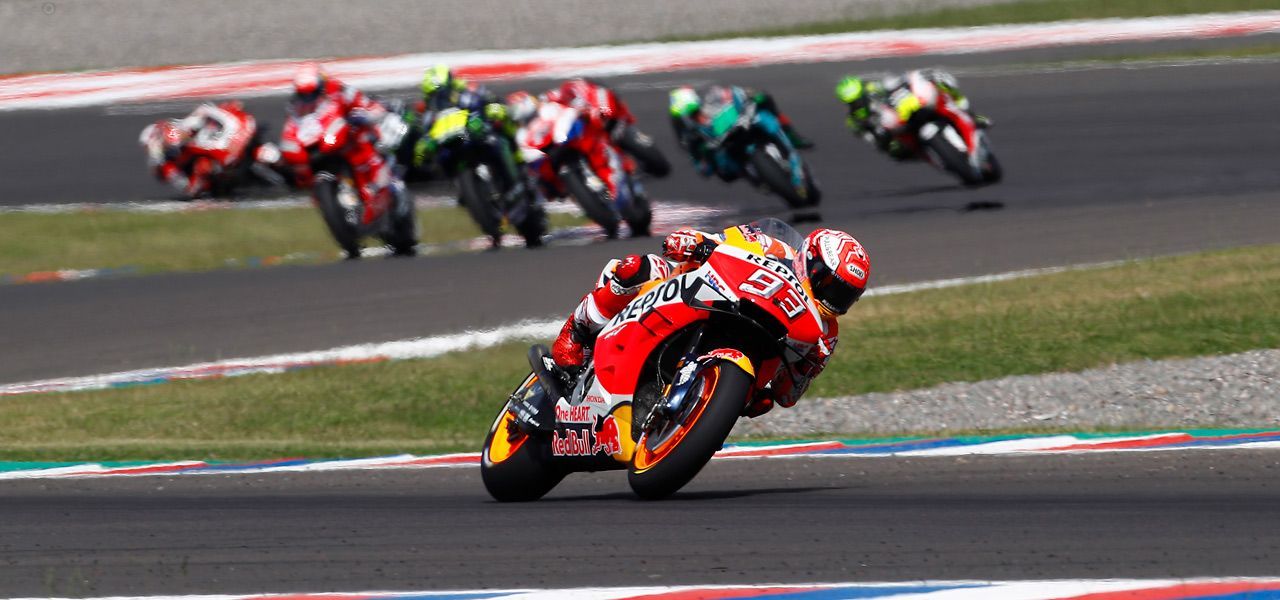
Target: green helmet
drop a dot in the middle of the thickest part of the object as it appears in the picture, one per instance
(684, 102)
(436, 77)
(850, 89)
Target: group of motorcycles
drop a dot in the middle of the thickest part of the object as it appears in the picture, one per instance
(589, 151)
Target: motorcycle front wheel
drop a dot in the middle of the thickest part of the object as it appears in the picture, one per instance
(670, 454)
(345, 233)
(514, 465)
(777, 178)
(946, 149)
(594, 203)
(479, 199)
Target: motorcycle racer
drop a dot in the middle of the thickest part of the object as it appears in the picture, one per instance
(685, 108)
(188, 153)
(312, 89)
(837, 269)
(868, 97)
(441, 90)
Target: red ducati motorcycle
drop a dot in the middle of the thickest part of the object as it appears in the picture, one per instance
(357, 194)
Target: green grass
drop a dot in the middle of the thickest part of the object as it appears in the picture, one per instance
(1030, 11)
(1214, 303)
(190, 241)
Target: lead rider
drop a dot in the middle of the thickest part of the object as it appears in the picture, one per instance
(837, 267)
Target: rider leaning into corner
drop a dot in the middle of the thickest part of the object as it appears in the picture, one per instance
(442, 90)
(174, 146)
(687, 118)
(837, 266)
(868, 97)
(313, 87)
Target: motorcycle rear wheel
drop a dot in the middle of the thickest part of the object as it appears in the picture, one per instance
(335, 216)
(642, 148)
(478, 198)
(595, 204)
(991, 169)
(639, 214)
(513, 464)
(776, 178)
(670, 456)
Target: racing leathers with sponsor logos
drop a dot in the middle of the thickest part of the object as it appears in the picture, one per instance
(441, 90)
(314, 90)
(837, 271)
(188, 153)
(869, 99)
(688, 119)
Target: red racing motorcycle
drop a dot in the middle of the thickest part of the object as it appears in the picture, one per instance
(571, 155)
(940, 128)
(618, 120)
(669, 375)
(356, 192)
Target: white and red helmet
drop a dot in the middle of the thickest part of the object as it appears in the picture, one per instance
(838, 269)
(522, 106)
(309, 82)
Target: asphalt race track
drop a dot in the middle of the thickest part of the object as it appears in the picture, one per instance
(1101, 164)
(1140, 515)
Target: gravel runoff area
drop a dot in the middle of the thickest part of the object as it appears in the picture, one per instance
(1239, 390)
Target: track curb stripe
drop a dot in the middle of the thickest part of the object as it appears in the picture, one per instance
(417, 348)
(914, 447)
(1065, 589)
(62, 90)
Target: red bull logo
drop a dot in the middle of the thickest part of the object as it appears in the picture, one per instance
(584, 442)
(607, 439)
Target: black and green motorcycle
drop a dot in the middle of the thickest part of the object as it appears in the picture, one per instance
(491, 185)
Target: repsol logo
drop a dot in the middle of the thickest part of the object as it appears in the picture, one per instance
(666, 293)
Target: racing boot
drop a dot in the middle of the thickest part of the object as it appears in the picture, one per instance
(619, 285)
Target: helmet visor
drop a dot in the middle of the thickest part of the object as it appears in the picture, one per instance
(829, 290)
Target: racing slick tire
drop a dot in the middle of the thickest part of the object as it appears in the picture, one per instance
(533, 227)
(670, 455)
(477, 195)
(992, 172)
(642, 148)
(515, 465)
(776, 178)
(345, 233)
(595, 203)
(639, 213)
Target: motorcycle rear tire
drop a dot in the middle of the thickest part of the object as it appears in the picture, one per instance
(777, 179)
(642, 148)
(478, 198)
(671, 468)
(520, 475)
(596, 205)
(344, 233)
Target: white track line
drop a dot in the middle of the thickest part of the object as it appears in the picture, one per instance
(60, 90)
(423, 347)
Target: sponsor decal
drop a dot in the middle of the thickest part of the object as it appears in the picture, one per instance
(856, 272)
(594, 399)
(574, 414)
(585, 441)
